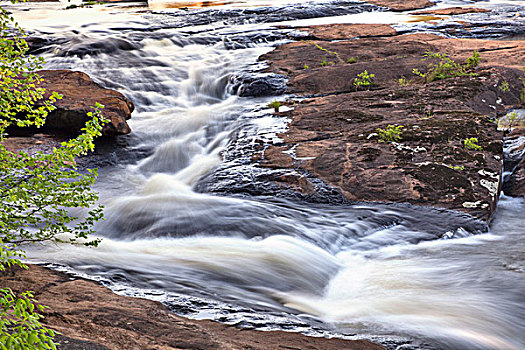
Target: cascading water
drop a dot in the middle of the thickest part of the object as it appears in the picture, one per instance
(372, 271)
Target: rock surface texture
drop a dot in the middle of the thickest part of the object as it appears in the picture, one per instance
(450, 11)
(333, 134)
(90, 316)
(80, 93)
(401, 5)
(515, 166)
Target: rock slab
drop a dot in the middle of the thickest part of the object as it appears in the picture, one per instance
(333, 134)
(80, 92)
(90, 316)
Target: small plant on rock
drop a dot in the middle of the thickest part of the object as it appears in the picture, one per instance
(275, 105)
(445, 67)
(351, 60)
(325, 63)
(472, 143)
(363, 79)
(319, 47)
(390, 134)
(402, 81)
(509, 121)
(306, 66)
(473, 61)
(504, 86)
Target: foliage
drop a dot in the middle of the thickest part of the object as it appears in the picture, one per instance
(472, 143)
(363, 79)
(390, 134)
(504, 86)
(402, 81)
(275, 105)
(510, 120)
(444, 67)
(36, 190)
(473, 61)
(351, 60)
(319, 47)
(306, 67)
(325, 63)
(19, 323)
(456, 167)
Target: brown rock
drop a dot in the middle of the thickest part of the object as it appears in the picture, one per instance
(80, 93)
(400, 5)
(90, 315)
(344, 31)
(335, 132)
(451, 11)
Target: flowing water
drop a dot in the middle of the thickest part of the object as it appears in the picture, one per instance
(404, 276)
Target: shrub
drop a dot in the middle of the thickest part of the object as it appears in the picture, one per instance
(275, 105)
(363, 79)
(504, 86)
(444, 67)
(390, 134)
(351, 60)
(471, 143)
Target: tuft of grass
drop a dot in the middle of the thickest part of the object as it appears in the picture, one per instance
(319, 47)
(402, 81)
(472, 144)
(504, 86)
(275, 105)
(351, 60)
(363, 79)
(390, 134)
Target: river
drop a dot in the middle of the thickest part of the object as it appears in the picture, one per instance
(408, 278)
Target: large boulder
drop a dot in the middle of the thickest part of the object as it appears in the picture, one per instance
(80, 92)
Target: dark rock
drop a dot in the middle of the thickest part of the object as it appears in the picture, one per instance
(258, 84)
(81, 46)
(80, 93)
(514, 184)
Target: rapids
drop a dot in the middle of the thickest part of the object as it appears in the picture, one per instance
(184, 225)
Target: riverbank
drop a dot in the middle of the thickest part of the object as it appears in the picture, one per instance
(91, 317)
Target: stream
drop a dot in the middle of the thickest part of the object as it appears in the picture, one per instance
(191, 222)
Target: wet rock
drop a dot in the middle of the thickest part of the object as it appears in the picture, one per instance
(502, 22)
(257, 84)
(90, 316)
(402, 5)
(193, 17)
(334, 134)
(449, 11)
(80, 93)
(81, 46)
(514, 184)
(344, 31)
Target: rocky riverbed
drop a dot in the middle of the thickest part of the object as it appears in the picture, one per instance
(330, 152)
